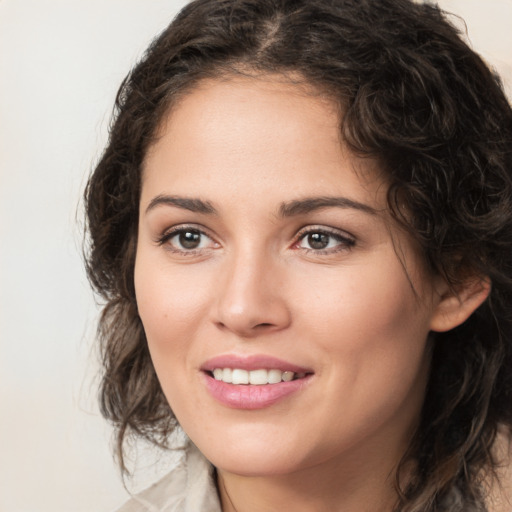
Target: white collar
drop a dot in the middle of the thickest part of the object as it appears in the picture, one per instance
(188, 487)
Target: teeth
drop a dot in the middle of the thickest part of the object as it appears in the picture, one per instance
(255, 377)
(274, 376)
(258, 377)
(287, 376)
(240, 377)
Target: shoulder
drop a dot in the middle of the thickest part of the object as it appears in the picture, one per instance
(155, 497)
(500, 499)
(188, 487)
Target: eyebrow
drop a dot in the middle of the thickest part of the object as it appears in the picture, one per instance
(185, 203)
(287, 209)
(311, 204)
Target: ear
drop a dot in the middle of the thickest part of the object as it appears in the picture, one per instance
(454, 307)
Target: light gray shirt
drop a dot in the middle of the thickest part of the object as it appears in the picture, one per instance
(189, 487)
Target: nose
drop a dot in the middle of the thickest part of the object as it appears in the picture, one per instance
(251, 299)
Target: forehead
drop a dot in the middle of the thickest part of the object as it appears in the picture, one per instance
(265, 133)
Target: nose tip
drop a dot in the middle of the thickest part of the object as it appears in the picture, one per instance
(249, 322)
(252, 301)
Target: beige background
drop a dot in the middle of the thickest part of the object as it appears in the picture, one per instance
(60, 64)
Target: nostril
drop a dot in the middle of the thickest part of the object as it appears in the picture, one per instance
(249, 317)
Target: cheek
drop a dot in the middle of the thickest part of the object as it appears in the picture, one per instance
(373, 326)
(171, 305)
(355, 302)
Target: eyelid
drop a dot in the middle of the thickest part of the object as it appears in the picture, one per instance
(346, 239)
(328, 230)
(172, 231)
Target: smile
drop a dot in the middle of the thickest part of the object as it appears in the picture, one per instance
(253, 382)
(255, 377)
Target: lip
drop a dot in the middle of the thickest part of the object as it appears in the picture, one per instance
(253, 362)
(247, 396)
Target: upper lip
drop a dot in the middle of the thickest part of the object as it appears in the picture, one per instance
(252, 362)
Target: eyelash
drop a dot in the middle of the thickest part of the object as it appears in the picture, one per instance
(178, 230)
(345, 241)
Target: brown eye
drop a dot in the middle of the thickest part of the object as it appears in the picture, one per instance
(189, 239)
(318, 240)
(325, 241)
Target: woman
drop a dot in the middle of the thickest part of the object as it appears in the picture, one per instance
(302, 228)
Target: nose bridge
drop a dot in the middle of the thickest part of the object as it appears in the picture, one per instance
(251, 298)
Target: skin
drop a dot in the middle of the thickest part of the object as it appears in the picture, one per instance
(255, 285)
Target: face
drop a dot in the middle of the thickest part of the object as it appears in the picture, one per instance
(284, 329)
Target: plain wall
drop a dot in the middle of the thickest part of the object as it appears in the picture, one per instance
(61, 62)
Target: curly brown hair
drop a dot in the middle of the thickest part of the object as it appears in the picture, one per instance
(415, 97)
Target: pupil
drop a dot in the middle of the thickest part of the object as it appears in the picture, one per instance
(189, 239)
(318, 240)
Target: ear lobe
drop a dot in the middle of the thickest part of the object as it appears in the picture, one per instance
(456, 306)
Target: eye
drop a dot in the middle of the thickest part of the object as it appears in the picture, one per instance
(186, 239)
(324, 241)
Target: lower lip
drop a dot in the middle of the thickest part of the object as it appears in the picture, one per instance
(250, 397)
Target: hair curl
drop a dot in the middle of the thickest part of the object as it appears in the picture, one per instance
(416, 98)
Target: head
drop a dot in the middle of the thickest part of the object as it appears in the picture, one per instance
(421, 115)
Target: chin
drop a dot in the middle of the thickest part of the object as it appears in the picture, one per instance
(254, 458)
(255, 465)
